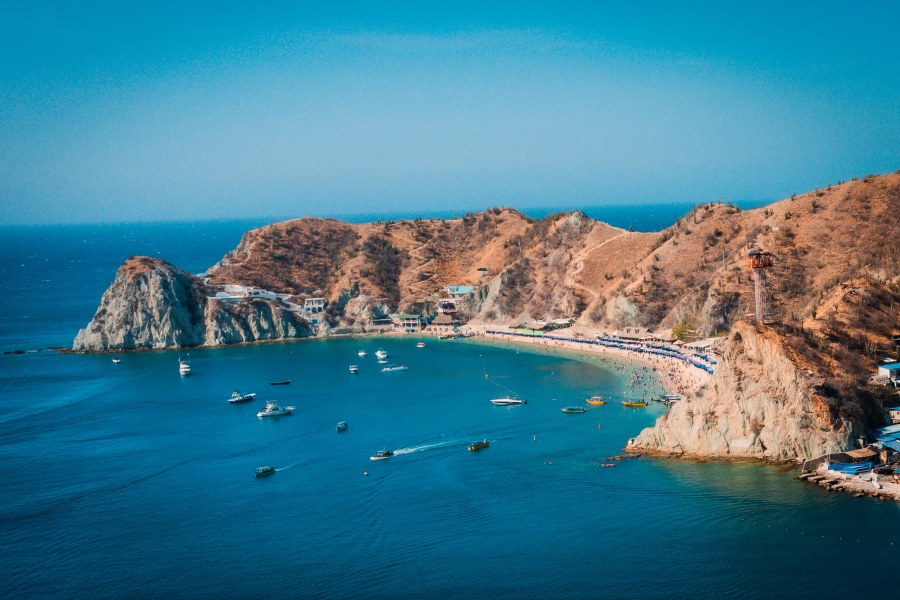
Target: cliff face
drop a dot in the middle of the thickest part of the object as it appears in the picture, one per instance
(152, 304)
(757, 405)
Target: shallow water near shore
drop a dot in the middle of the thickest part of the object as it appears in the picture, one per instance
(129, 481)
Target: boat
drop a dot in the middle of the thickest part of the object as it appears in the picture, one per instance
(479, 445)
(354, 369)
(273, 410)
(265, 471)
(420, 345)
(237, 397)
(391, 368)
(573, 409)
(382, 454)
(634, 403)
(116, 360)
(508, 401)
(341, 426)
(382, 361)
(184, 366)
(596, 401)
(285, 382)
(361, 353)
(381, 353)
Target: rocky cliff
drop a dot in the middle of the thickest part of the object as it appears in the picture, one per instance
(152, 304)
(757, 405)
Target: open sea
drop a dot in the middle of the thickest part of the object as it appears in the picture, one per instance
(129, 481)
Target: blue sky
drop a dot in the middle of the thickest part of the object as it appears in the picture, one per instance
(119, 113)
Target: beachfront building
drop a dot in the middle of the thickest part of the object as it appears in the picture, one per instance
(444, 324)
(890, 371)
(446, 306)
(407, 322)
(235, 293)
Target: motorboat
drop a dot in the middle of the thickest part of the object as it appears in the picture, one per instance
(381, 353)
(479, 445)
(573, 409)
(382, 454)
(420, 345)
(382, 361)
(265, 471)
(285, 382)
(596, 401)
(634, 403)
(184, 366)
(508, 401)
(341, 426)
(392, 368)
(354, 369)
(273, 410)
(361, 353)
(116, 361)
(237, 397)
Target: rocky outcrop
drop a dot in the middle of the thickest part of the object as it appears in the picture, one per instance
(153, 305)
(757, 405)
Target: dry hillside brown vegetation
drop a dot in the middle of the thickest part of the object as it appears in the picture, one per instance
(691, 277)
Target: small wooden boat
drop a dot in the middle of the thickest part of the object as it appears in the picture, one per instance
(479, 445)
(634, 403)
(285, 382)
(596, 401)
(420, 345)
(573, 409)
(265, 471)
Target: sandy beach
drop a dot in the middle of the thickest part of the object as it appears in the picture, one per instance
(675, 376)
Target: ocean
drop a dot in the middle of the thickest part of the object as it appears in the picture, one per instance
(129, 481)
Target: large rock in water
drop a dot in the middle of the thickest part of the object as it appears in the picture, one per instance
(757, 405)
(153, 304)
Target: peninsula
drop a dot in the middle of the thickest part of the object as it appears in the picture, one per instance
(791, 382)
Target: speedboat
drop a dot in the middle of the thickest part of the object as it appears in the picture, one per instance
(382, 454)
(273, 410)
(265, 471)
(354, 369)
(479, 445)
(341, 426)
(573, 409)
(361, 353)
(391, 368)
(633, 403)
(420, 345)
(237, 397)
(116, 360)
(381, 353)
(596, 401)
(184, 366)
(285, 382)
(508, 401)
(382, 361)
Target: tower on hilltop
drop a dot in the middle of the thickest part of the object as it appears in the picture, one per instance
(758, 260)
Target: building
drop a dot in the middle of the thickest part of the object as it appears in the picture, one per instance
(314, 305)
(889, 370)
(407, 322)
(459, 292)
(446, 306)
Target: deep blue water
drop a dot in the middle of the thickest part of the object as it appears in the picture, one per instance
(128, 481)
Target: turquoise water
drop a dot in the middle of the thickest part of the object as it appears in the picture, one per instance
(129, 481)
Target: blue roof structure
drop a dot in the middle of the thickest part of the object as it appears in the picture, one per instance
(891, 367)
(461, 289)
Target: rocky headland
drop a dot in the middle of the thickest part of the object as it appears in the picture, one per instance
(794, 387)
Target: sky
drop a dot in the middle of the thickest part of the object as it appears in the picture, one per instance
(191, 110)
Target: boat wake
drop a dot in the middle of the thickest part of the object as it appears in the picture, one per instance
(279, 469)
(430, 447)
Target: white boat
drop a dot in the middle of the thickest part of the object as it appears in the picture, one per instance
(361, 353)
(354, 369)
(341, 426)
(508, 401)
(420, 345)
(381, 353)
(116, 360)
(184, 366)
(382, 454)
(237, 397)
(391, 368)
(273, 410)
(381, 361)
